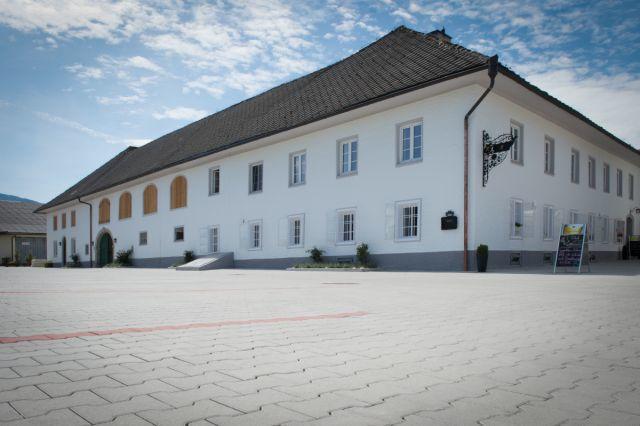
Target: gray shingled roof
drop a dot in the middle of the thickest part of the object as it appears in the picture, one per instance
(19, 218)
(401, 61)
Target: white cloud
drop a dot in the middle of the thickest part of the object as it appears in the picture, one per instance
(74, 125)
(144, 63)
(180, 113)
(84, 72)
(210, 84)
(136, 142)
(119, 100)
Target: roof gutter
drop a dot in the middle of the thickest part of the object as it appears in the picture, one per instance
(90, 230)
(493, 71)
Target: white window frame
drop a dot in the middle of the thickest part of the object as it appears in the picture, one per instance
(73, 246)
(604, 220)
(214, 243)
(517, 149)
(549, 155)
(575, 166)
(175, 231)
(631, 186)
(291, 231)
(214, 181)
(399, 220)
(574, 216)
(606, 178)
(146, 238)
(298, 168)
(516, 232)
(548, 225)
(411, 127)
(261, 180)
(340, 231)
(253, 225)
(591, 227)
(619, 183)
(591, 171)
(55, 248)
(352, 164)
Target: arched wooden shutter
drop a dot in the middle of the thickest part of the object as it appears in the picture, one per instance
(104, 211)
(124, 206)
(150, 200)
(179, 192)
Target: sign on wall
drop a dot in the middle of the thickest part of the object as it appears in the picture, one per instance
(573, 248)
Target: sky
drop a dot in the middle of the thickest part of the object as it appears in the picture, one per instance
(81, 80)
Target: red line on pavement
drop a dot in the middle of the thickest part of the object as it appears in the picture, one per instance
(59, 336)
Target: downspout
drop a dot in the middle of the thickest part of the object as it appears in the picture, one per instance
(90, 230)
(493, 71)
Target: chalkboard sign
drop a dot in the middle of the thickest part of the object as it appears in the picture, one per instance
(571, 246)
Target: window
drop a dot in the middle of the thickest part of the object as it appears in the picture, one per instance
(549, 155)
(574, 217)
(591, 169)
(73, 246)
(604, 229)
(517, 219)
(64, 220)
(346, 226)
(548, 225)
(347, 157)
(214, 239)
(214, 181)
(297, 168)
(55, 223)
(178, 233)
(575, 166)
(296, 231)
(591, 227)
(73, 218)
(150, 200)
(178, 192)
(410, 142)
(619, 182)
(408, 220)
(124, 206)
(55, 248)
(255, 177)
(255, 235)
(517, 147)
(606, 178)
(104, 211)
(619, 230)
(143, 238)
(630, 186)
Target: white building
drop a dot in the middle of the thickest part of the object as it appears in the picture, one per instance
(370, 149)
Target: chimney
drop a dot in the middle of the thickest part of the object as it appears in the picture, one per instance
(440, 35)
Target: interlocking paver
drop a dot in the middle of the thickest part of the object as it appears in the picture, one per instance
(63, 417)
(432, 348)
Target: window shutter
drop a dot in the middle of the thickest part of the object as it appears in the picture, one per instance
(557, 223)
(332, 227)
(529, 215)
(203, 240)
(244, 235)
(389, 222)
(283, 228)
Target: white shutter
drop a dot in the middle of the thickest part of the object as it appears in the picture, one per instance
(244, 235)
(512, 219)
(332, 226)
(557, 222)
(389, 222)
(203, 240)
(210, 245)
(283, 228)
(529, 216)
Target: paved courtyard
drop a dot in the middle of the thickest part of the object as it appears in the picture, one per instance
(244, 347)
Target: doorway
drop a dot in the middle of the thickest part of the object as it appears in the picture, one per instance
(64, 251)
(105, 249)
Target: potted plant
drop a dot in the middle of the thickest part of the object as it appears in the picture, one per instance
(482, 257)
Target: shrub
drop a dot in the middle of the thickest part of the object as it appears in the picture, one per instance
(124, 257)
(316, 254)
(363, 255)
(189, 256)
(75, 259)
(483, 249)
(29, 259)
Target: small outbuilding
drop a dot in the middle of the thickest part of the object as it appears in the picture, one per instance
(23, 233)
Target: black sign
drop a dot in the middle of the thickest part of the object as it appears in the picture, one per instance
(571, 246)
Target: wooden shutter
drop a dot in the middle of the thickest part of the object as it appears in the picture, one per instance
(124, 207)
(150, 200)
(55, 223)
(179, 192)
(64, 220)
(104, 212)
(73, 218)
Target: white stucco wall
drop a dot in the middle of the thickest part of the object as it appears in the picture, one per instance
(436, 181)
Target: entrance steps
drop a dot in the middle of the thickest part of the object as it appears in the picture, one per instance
(210, 261)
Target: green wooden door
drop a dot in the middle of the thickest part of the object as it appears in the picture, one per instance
(105, 249)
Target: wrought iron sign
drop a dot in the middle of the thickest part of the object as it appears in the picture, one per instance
(494, 152)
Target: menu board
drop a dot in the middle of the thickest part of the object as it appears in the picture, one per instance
(571, 245)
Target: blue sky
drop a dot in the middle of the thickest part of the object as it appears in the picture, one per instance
(79, 83)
